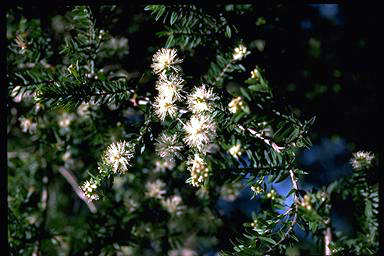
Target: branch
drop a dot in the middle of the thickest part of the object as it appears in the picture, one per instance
(72, 181)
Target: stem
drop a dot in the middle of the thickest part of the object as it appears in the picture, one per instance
(296, 202)
(328, 229)
(327, 241)
(223, 71)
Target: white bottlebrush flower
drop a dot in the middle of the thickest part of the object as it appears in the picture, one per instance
(89, 188)
(236, 104)
(165, 106)
(155, 189)
(361, 160)
(173, 205)
(200, 131)
(240, 52)
(198, 169)
(118, 156)
(235, 151)
(201, 99)
(168, 146)
(27, 125)
(170, 86)
(164, 60)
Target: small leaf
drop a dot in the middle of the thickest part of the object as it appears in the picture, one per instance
(270, 240)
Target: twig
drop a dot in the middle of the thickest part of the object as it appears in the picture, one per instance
(72, 181)
(327, 240)
(296, 202)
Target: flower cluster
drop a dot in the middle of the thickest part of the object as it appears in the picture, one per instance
(170, 83)
(201, 99)
(198, 169)
(306, 202)
(170, 86)
(200, 131)
(89, 188)
(155, 189)
(118, 156)
(168, 147)
(173, 205)
(362, 160)
(272, 194)
(255, 74)
(236, 105)
(166, 60)
(235, 151)
(240, 52)
(257, 189)
(27, 125)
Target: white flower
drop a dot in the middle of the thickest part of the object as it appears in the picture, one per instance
(118, 155)
(235, 151)
(165, 106)
(198, 169)
(89, 188)
(236, 104)
(155, 189)
(361, 160)
(201, 99)
(27, 125)
(167, 146)
(170, 86)
(164, 60)
(255, 74)
(200, 130)
(173, 204)
(240, 52)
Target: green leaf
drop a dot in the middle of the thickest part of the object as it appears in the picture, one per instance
(267, 239)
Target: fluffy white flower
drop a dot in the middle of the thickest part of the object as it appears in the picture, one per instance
(170, 86)
(240, 52)
(118, 155)
(198, 169)
(168, 146)
(155, 189)
(201, 99)
(165, 106)
(200, 130)
(361, 160)
(166, 59)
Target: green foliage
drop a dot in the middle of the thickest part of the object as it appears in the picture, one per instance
(189, 26)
